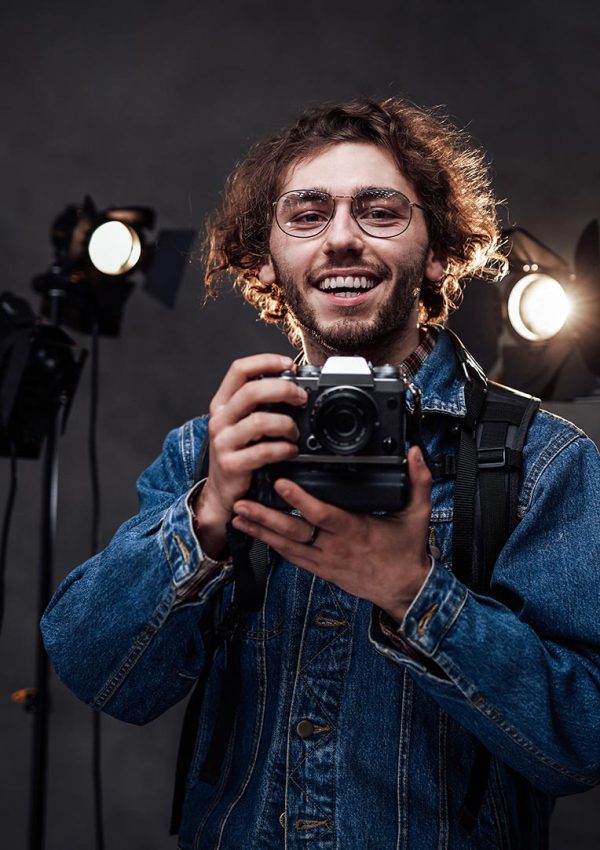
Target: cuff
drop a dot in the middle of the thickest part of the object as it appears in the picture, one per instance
(190, 567)
(416, 639)
(434, 610)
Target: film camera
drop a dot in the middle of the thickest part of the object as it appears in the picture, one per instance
(353, 431)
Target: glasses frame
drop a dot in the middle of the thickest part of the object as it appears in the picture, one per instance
(347, 197)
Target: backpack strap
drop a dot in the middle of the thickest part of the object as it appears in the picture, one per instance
(251, 564)
(488, 467)
(501, 434)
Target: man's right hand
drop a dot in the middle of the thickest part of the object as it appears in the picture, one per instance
(236, 447)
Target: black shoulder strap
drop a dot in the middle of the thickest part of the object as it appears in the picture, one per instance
(488, 467)
(251, 563)
(501, 434)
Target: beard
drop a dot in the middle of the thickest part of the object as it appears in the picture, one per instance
(350, 334)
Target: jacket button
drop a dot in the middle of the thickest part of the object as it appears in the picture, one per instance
(305, 728)
(282, 820)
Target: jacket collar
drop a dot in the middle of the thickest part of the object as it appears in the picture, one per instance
(441, 380)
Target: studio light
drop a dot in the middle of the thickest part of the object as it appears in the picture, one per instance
(551, 310)
(114, 248)
(537, 306)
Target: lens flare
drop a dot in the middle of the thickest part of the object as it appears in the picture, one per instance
(538, 307)
(114, 248)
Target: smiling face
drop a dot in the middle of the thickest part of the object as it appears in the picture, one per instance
(351, 292)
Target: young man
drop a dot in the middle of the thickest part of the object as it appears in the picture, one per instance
(372, 676)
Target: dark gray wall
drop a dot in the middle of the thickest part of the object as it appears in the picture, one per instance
(151, 103)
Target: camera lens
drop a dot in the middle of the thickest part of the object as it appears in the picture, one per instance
(343, 419)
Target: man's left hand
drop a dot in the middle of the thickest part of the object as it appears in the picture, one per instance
(382, 559)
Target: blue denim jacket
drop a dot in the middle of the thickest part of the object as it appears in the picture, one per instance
(342, 740)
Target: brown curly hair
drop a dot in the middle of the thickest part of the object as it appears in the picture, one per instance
(449, 173)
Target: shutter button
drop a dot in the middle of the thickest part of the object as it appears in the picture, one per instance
(305, 728)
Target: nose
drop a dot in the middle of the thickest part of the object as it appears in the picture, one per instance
(343, 233)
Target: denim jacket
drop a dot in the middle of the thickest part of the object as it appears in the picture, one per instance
(342, 741)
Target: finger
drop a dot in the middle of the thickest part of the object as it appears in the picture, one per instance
(291, 527)
(257, 425)
(420, 480)
(314, 511)
(243, 370)
(296, 553)
(255, 457)
(254, 394)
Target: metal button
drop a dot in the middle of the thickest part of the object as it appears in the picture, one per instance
(305, 728)
(282, 820)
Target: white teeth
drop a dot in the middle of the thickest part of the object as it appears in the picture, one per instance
(350, 282)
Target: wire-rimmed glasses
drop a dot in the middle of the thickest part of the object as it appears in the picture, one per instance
(382, 213)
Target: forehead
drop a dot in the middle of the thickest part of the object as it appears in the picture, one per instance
(345, 168)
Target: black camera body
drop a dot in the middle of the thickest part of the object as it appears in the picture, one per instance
(352, 445)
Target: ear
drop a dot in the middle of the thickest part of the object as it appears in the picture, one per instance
(266, 273)
(435, 266)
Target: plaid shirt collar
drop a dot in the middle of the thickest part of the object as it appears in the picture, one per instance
(414, 361)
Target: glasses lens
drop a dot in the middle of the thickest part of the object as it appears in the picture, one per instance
(304, 213)
(381, 212)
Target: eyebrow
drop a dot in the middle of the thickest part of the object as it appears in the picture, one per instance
(356, 191)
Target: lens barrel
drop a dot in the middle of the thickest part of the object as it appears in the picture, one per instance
(343, 419)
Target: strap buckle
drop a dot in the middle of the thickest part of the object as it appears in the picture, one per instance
(491, 458)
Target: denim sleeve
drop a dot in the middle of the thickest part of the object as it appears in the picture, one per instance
(521, 670)
(120, 630)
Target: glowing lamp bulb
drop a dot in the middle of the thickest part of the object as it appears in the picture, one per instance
(114, 248)
(538, 307)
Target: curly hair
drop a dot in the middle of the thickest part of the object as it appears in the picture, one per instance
(449, 173)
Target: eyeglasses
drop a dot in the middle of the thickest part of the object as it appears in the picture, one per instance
(382, 213)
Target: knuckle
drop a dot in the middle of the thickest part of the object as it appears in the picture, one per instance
(228, 464)
(213, 428)
(260, 421)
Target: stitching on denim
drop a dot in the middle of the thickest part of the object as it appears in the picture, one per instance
(404, 753)
(336, 636)
(296, 678)
(279, 733)
(443, 825)
(258, 727)
(499, 800)
(165, 547)
(553, 449)
(479, 702)
(140, 644)
(220, 789)
(313, 696)
(186, 452)
(309, 796)
(450, 620)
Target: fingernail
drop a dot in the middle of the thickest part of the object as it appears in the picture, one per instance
(282, 488)
(242, 511)
(419, 456)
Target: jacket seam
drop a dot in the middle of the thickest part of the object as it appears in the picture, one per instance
(486, 709)
(139, 646)
(550, 453)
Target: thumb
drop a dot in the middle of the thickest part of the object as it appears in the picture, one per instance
(420, 479)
